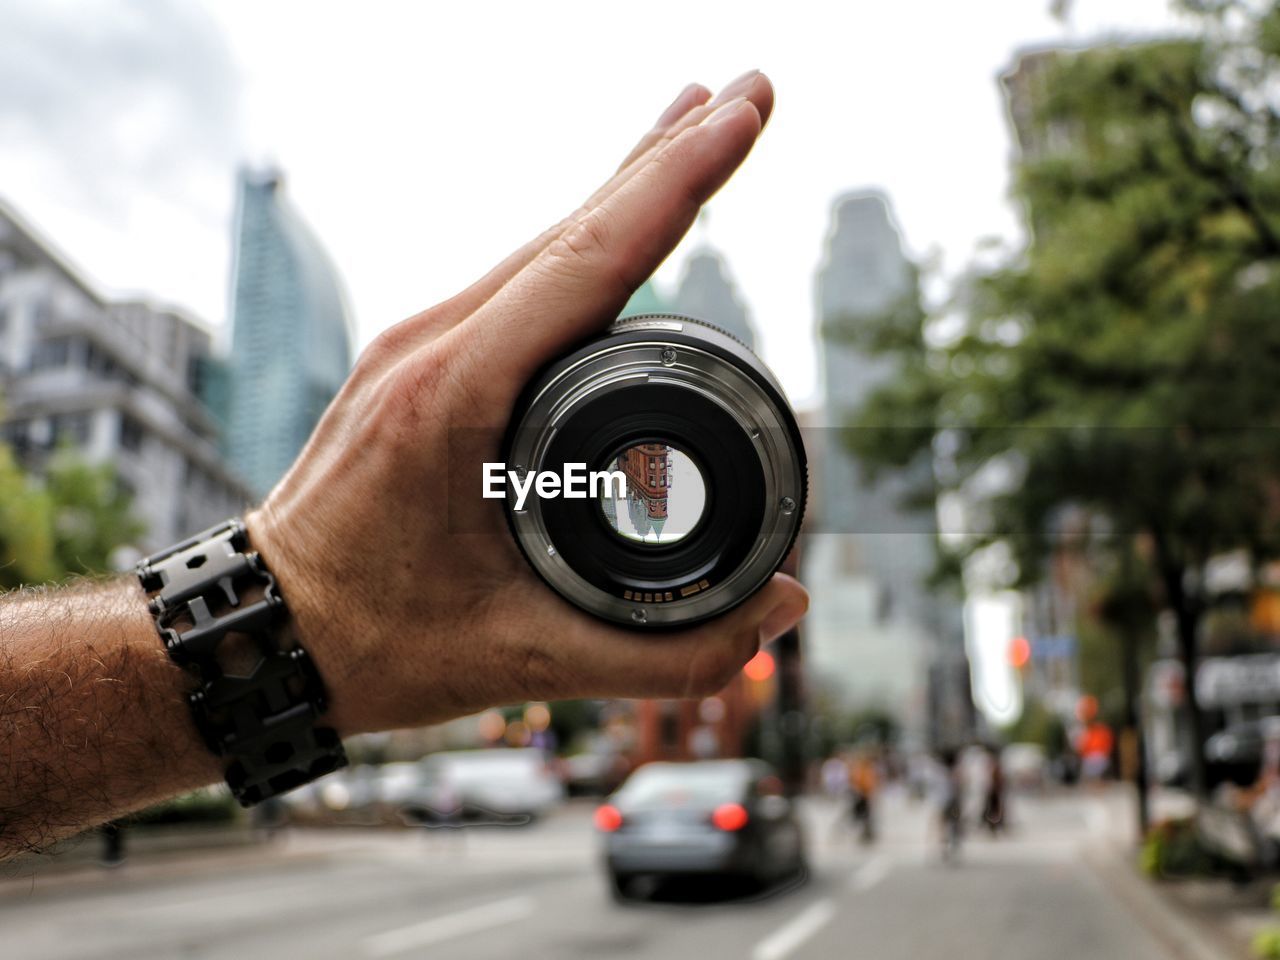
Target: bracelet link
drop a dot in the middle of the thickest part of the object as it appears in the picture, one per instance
(219, 612)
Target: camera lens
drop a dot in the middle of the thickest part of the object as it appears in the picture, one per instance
(682, 475)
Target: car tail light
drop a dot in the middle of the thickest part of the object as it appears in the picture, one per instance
(729, 817)
(608, 818)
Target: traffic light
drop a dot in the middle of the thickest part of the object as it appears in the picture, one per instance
(1019, 652)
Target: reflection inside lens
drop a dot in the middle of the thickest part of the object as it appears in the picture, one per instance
(664, 497)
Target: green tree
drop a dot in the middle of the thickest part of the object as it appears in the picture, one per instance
(26, 527)
(1127, 362)
(92, 515)
(64, 523)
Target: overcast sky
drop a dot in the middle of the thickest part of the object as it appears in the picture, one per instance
(424, 141)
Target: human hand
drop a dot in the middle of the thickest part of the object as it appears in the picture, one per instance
(411, 620)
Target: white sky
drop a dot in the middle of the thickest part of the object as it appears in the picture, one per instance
(424, 141)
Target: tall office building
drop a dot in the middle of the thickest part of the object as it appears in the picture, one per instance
(875, 630)
(646, 299)
(115, 381)
(291, 333)
(707, 292)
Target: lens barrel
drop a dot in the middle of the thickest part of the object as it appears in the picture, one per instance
(714, 466)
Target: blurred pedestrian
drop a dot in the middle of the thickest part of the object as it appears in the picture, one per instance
(864, 781)
(951, 805)
(113, 843)
(993, 804)
(1095, 745)
(835, 777)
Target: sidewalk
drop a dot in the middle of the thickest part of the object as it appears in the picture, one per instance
(1204, 918)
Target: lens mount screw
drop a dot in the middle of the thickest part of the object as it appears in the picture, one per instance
(788, 505)
(551, 551)
(668, 356)
(639, 615)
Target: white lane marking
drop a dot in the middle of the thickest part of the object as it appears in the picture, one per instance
(786, 939)
(870, 873)
(448, 926)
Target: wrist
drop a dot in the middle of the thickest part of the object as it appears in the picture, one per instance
(314, 617)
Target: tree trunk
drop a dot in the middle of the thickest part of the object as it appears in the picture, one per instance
(1129, 643)
(1188, 651)
(1186, 610)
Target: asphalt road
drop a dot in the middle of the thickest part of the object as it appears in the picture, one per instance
(538, 892)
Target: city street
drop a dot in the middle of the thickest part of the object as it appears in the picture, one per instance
(1050, 889)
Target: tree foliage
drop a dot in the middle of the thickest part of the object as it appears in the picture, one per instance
(66, 522)
(1126, 362)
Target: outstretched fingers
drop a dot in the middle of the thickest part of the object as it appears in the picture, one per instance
(583, 278)
(432, 322)
(690, 107)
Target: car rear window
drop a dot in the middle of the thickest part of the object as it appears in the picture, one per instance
(684, 785)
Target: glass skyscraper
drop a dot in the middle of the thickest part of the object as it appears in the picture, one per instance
(291, 333)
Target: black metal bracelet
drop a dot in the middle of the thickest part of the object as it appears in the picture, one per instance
(220, 615)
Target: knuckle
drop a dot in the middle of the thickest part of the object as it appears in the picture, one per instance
(589, 237)
(671, 166)
(395, 342)
(416, 389)
(589, 250)
(381, 350)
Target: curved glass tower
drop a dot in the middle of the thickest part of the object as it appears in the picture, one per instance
(291, 333)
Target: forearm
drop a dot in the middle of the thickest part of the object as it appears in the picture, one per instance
(93, 718)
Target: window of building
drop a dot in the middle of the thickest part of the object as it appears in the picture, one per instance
(15, 432)
(131, 431)
(71, 428)
(51, 353)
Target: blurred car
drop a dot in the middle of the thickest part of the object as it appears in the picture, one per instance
(348, 796)
(588, 774)
(724, 817)
(398, 790)
(483, 784)
(1025, 765)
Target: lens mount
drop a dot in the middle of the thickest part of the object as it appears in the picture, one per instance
(659, 386)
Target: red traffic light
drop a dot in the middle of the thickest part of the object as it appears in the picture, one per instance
(1019, 652)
